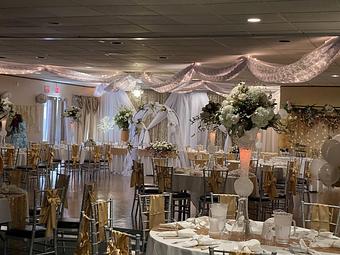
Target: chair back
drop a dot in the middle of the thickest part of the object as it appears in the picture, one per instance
(214, 180)
(137, 175)
(62, 182)
(163, 178)
(125, 243)
(10, 157)
(233, 165)
(321, 217)
(229, 199)
(154, 209)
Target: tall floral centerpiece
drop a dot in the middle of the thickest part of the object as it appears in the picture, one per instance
(243, 113)
(73, 113)
(122, 120)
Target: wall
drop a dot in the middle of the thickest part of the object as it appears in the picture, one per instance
(311, 136)
(310, 95)
(23, 93)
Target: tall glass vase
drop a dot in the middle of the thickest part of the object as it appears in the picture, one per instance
(243, 185)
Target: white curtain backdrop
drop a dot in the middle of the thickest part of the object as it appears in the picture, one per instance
(110, 104)
(269, 137)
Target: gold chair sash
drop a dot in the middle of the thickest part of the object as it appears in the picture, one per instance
(83, 246)
(10, 152)
(292, 177)
(62, 183)
(102, 219)
(83, 243)
(231, 201)
(33, 157)
(270, 184)
(118, 244)
(50, 156)
(215, 181)
(163, 179)
(108, 153)
(49, 211)
(156, 211)
(18, 208)
(320, 217)
(1, 165)
(97, 154)
(75, 154)
(137, 176)
(14, 177)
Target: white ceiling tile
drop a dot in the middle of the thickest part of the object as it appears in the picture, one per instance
(123, 10)
(198, 19)
(182, 9)
(312, 17)
(145, 20)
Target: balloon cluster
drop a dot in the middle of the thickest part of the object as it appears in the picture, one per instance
(328, 168)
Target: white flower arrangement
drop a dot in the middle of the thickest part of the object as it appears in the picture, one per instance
(123, 118)
(73, 112)
(246, 108)
(5, 106)
(162, 146)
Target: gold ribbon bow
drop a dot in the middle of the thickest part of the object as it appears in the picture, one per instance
(308, 173)
(215, 181)
(33, 157)
(83, 243)
(96, 156)
(49, 211)
(156, 211)
(320, 217)
(232, 204)
(62, 183)
(119, 244)
(270, 184)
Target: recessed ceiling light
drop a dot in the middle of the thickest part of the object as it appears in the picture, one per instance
(88, 67)
(335, 76)
(53, 23)
(163, 57)
(101, 41)
(254, 20)
(284, 41)
(117, 42)
(48, 38)
(40, 57)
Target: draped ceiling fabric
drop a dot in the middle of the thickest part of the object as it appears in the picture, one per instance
(89, 107)
(303, 70)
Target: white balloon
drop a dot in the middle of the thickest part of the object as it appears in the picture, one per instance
(316, 165)
(283, 114)
(328, 175)
(331, 152)
(337, 137)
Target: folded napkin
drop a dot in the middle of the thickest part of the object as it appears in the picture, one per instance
(185, 224)
(168, 234)
(252, 245)
(189, 244)
(186, 233)
(306, 249)
(199, 240)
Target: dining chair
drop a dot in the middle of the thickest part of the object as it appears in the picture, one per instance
(213, 181)
(107, 158)
(140, 187)
(10, 157)
(229, 199)
(321, 217)
(125, 242)
(68, 228)
(181, 200)
(154, 209)
(39, 230)
(72, 163)
(92, 164)
(271, 196)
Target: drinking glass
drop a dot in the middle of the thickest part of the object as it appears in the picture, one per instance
(217, 219)
(283, 222)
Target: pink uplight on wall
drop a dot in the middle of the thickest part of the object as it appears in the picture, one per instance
(47, 89)
(57, 89)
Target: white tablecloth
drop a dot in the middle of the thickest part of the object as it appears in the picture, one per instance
(159, 246)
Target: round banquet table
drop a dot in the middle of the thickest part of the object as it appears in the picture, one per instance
(157, 245)
(195, 185)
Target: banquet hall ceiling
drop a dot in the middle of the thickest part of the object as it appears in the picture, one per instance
(164, 36)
